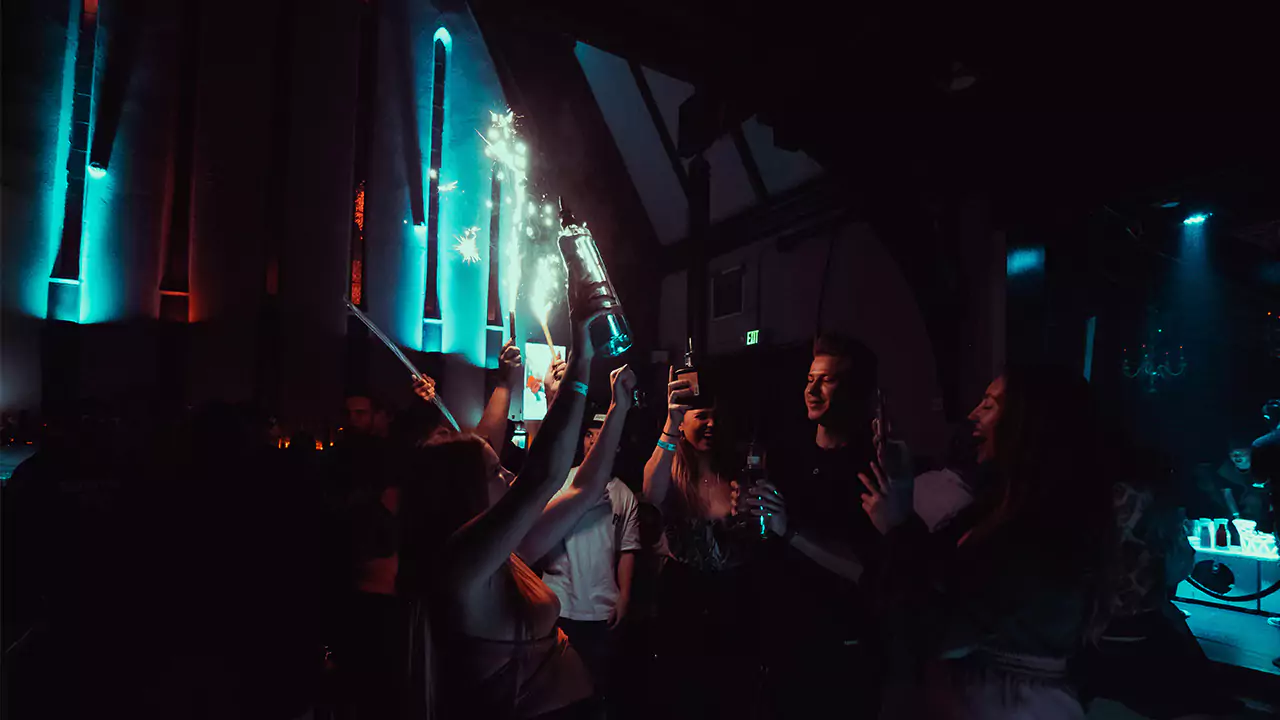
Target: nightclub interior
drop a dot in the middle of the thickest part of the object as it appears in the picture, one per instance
(558, 359)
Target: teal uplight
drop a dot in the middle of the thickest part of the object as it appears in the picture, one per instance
(102, 278)
(1024, 260)
(413, 287)
(1197, 219)
(36, 294)
(442, 34)
(97, 172)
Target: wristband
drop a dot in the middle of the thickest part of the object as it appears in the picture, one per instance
(668, 446)
(578, 387)
(674, 435)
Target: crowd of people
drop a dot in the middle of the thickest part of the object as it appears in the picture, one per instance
(196, 568)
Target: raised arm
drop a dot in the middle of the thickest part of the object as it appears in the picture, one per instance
(480, 547)
(493, 423)
(568, 506)
(657, 472)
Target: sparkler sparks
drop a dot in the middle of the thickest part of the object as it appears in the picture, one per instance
(547, 282)
(503, 145)
(467, 247)
(451, 185)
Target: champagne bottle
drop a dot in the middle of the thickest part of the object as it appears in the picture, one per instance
(688, 371)
(589, 282)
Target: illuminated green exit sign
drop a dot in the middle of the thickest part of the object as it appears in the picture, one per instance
(753, 337)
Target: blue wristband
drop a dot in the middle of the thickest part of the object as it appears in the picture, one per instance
(578, 387)
(668, 446)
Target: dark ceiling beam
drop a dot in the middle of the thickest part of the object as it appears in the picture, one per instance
(788, 217)
(749, 164)
(706, 117)
(659, 125)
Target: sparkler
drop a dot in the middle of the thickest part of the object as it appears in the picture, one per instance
(545, 284)
(504, 146)
(467, 247)
(377, 332)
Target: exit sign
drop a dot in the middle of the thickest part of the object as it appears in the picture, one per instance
(753, 337)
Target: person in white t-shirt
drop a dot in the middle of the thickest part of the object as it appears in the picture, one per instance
(591, 570)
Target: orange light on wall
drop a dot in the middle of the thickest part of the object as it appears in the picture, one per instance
(357, 249)
(357, 281)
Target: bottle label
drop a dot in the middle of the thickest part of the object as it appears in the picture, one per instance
(691, 376)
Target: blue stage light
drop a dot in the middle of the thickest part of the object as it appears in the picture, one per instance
(1196, 219)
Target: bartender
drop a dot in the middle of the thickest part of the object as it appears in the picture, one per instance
(1233, 489)
(1265, 465)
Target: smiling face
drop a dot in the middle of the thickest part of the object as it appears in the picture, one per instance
(821, 392)
(699, 428)
(985, 417)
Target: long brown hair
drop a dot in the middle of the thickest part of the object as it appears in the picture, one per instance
(443, 489)
(684, 468)
(1052, 488)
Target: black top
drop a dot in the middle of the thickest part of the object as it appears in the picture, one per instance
(1266, 456)
(1005, 592)
(823, 496)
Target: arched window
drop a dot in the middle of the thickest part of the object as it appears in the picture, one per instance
(440, 47)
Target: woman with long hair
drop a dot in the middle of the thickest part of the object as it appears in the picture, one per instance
(485, 638)
(702, 587)
(992, 607)
(685, 478)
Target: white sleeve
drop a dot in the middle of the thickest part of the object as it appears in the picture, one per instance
(630, 520)
(938, 496)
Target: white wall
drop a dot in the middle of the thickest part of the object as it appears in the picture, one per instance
(867, 298)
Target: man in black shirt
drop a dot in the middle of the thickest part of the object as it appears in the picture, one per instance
(820, 663)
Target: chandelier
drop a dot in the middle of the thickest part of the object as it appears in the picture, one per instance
(1152, 365)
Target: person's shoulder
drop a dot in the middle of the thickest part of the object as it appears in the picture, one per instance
(619, 491)
(1269, 441)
